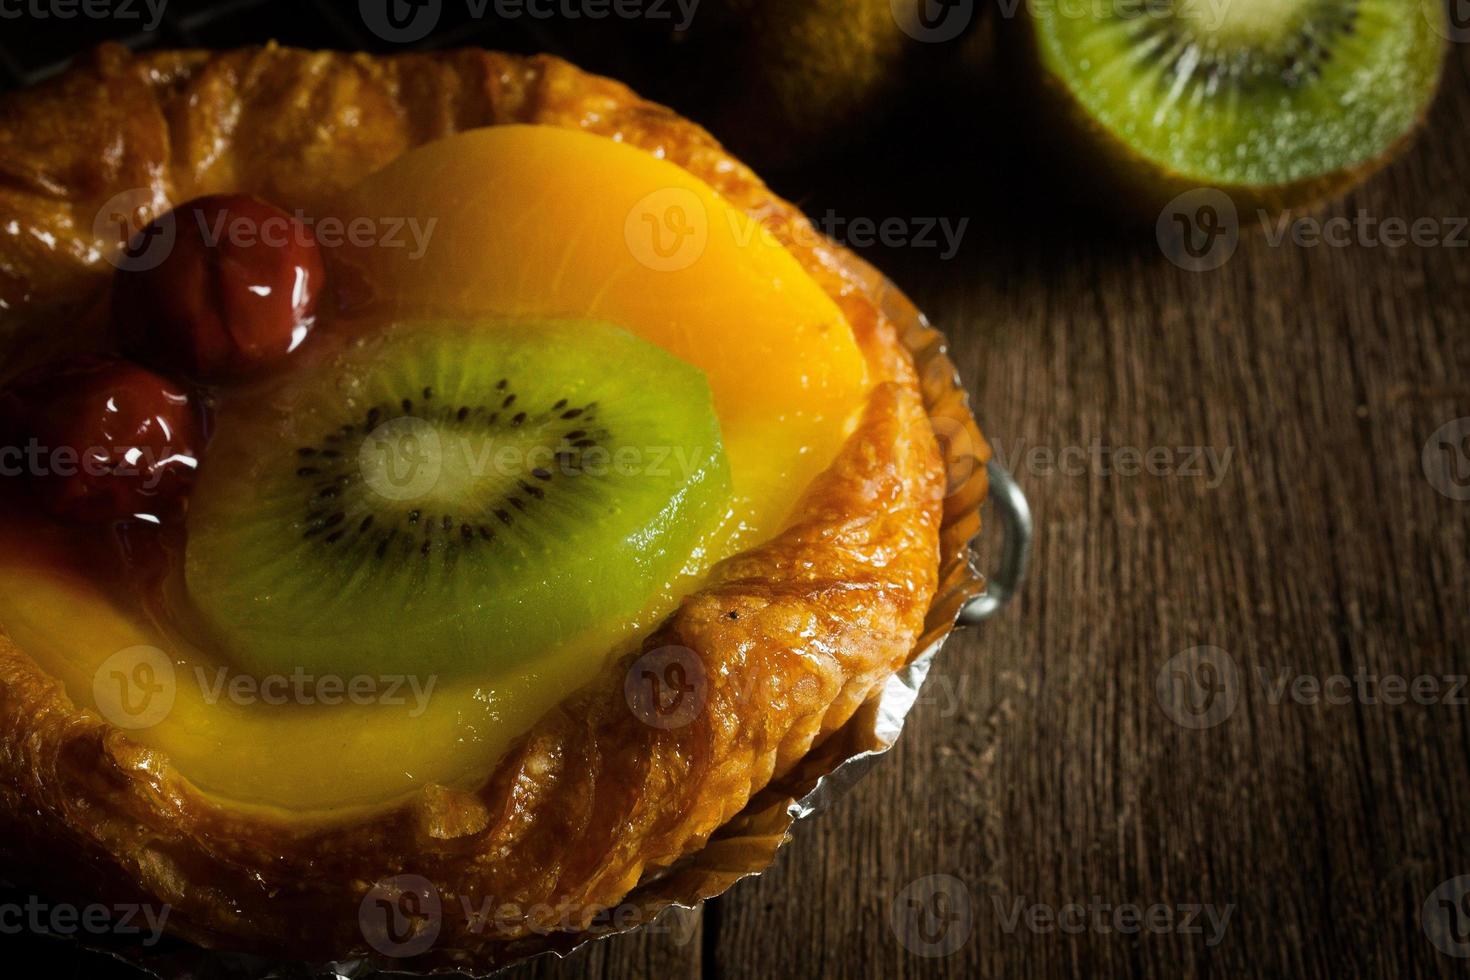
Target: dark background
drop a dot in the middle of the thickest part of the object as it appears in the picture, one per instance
(1042, 767)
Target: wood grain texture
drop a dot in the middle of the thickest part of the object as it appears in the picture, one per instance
(1325, 550)
(1041, 766)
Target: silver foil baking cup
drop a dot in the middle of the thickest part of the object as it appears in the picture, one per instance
(748, 843)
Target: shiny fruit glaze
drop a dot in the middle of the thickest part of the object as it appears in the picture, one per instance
(100, 439)
(525, 222)
(236, 291)
(537, 221)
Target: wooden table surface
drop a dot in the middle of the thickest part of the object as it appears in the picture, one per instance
(1285, 517)
(1042, 768)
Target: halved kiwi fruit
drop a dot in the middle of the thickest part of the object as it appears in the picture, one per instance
(1277, 102)
(452, 497)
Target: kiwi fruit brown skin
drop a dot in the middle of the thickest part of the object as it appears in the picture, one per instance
(1121, 182)
(787, 84)
(785, 78)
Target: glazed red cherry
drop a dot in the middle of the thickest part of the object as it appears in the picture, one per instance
(100, 439)
(235, 292)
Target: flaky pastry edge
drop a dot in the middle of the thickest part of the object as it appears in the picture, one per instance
(591, 799)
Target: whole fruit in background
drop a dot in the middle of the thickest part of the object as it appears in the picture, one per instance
(99, 439)
(1278, 103)
(783, 83)
(237, 292)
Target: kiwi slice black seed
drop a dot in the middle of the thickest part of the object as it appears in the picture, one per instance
(453, 497)
(1291, 99)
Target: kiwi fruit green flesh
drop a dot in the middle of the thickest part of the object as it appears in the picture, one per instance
(1277, 102)
(451, 498)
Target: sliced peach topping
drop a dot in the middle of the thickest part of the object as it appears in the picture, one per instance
(533, 220)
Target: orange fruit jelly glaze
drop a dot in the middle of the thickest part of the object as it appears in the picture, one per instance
(512, 220)
(540, 221)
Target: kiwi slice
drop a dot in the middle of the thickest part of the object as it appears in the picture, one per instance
(452, 497)
(1284, 101)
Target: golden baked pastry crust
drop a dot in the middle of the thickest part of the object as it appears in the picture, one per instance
(794, 636)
